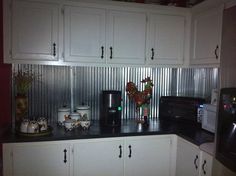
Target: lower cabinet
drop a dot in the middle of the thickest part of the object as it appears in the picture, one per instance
(206, 164)
(131, 156)
(98, 157)
(153, 155)
(191, 161)
(36, 159)
(150, 156)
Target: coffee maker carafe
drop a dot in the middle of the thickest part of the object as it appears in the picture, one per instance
(110, 108)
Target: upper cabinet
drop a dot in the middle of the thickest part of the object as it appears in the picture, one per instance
(95, 33)
(90, 38)
(126, 35)
(84, 34)
(206, 36)
(34, 31)
(166, 38)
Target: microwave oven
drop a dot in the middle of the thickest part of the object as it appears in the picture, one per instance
(209, 117)
(184, 109)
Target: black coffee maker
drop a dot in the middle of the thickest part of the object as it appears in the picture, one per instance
(110, 108)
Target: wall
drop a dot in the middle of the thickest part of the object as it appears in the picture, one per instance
(5, 87)
(72, 86)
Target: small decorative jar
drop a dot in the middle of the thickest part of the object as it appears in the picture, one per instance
(75, 116)
(63, 114)
(24, 125)
(43, 124)
(84, 112)
(33, 127)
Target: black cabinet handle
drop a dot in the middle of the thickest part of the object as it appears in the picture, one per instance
(120, 155)
(111, 53)
(216, 52)
(195, 162)
(130, 151)
(152, 57)
(102, 56)
(54, 49)
(65, 159)
(203, 167)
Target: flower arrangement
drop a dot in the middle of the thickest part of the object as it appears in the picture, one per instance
(23, 81)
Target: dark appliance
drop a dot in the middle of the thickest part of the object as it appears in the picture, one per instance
(184, 109)
(111, 108)
(226, 128)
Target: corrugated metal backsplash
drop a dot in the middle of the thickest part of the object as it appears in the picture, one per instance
(72, 86)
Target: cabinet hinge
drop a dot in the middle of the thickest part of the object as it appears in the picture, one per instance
(63, 55)
(72, 150)
(10, 52)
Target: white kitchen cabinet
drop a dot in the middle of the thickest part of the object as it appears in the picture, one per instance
(99, 157)
(85, 34)
(206, 33)
(206, 164)
(191, 161)
(35, 31)
(94, 36)
(152, 156)
(188, 158)
(35, 159)
(166, 37)
(130, 156)
(126, 34)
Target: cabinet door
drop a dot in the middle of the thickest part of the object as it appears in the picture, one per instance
(34, 31)
(166, 39)
(149, 156)
(206, 164)
(207, 36)
(34, 159)
(84, 34)
(102, 157)
(126, 37)
(188, 159)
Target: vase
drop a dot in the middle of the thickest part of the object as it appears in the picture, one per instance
(21, 108)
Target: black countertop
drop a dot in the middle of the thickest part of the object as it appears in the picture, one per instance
(190, 132)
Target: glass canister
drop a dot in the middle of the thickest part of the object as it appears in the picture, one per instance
(84, 112)
(63, 114)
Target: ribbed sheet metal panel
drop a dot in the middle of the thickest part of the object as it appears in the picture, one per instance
(57, 83)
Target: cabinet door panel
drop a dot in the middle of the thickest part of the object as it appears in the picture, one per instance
(206, 164)
(34, 31)
(84, 34)
(188, 159)
(98, 158)
(148, 156)
(40, 159)
(126, 36)
(207, 36)
(166, 38)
